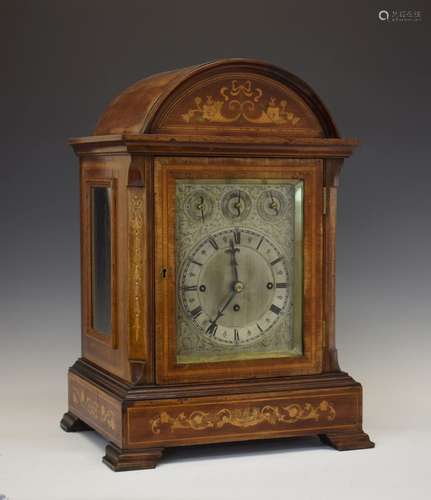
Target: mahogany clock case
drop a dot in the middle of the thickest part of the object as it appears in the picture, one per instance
(233, 119)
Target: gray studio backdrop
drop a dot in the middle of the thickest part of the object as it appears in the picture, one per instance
(62, 62)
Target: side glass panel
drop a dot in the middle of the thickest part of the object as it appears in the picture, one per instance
(101, 257)
(239, 267)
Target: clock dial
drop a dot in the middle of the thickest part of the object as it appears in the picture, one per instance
(238, 279)
(271, 205)
(234, 286)
(236, 204)
(199, 206)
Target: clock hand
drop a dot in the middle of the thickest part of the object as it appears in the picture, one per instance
(220, 311)
(237, 205)
(200, 206)
(232, 250)
(273, 204)
(237, 288)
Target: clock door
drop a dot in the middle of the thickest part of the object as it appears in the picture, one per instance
(238, 261)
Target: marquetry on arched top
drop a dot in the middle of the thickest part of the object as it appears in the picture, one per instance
(229, 97)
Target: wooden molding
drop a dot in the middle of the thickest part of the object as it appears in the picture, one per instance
(213, 146)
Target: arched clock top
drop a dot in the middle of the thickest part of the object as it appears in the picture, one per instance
(229, 97)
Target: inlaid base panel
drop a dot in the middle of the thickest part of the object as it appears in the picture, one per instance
(240, 417)
(139, 424)
(95, 407)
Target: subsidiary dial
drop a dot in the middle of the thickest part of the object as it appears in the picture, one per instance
(271, 205)
(199, 206)
(236, 205)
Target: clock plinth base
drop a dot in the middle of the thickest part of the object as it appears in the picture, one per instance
(140, 421)
(119, 459)
(347, 440)
(72, 423)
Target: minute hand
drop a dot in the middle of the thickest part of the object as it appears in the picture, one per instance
(220, 311)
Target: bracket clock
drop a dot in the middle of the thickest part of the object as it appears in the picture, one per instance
(208, 199)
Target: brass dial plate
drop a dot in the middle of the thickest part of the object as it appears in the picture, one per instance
(239, 269)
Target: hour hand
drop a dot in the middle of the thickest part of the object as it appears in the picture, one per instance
(232, 250)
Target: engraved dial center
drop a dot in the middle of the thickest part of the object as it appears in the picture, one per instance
(250, 294)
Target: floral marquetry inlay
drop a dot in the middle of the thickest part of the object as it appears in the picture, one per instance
(136, 207)
(244, 417)
(94, 408)
(240, 99)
